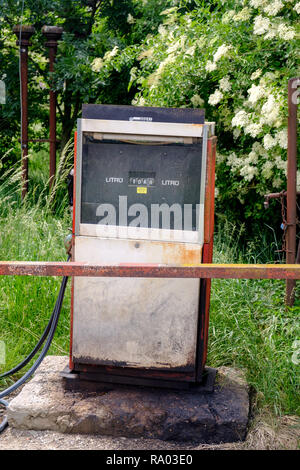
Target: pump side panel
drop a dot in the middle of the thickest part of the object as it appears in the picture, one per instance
(136, 323)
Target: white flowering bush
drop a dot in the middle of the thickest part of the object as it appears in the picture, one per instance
(234, 59)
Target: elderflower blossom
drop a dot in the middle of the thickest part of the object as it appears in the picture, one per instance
(220, 158)
(286, 32)
(257, 147)
(256, 74)
(236, 133)
(111, 54)
(130, 19)
(197, 101)
(97, 64)
(280, 164)
(267, 169)
(248, 172)
(225, 84)
(253, 129)
(37, 127)
(271, 33)
(273, 8)
(297, 8)
(141, 101)
(270, 111)
(261, 25)
(253, 157)
(277, 182)
(191, 50)
(144, 54)
(154, 78)
(257, 3)
(228, 16)
(243, 15)
(210, 66)
(162, 30)
(221, 51)
(215, 98)
(269, 141)
(282, 139)
(256, 92)
(174, 47)
(240, 119)
(233, 161)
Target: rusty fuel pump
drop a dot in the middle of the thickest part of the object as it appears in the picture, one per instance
(143, 194)
(139, 331)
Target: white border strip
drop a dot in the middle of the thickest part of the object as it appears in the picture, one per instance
(138, 233)
(142, 128)
(202, 185)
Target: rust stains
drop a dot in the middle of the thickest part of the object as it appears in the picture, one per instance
(205, 271)
(181, 254)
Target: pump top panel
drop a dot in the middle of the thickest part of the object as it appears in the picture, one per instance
(141, 196)
(140, 113)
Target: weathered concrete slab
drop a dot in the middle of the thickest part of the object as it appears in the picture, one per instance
(44, 404)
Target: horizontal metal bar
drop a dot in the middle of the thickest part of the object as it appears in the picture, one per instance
(278, 195)
(208, 271)
(43, 140)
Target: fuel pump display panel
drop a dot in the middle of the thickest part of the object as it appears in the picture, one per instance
(144, 174)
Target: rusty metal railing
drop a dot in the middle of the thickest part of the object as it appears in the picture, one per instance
(52, 34)
(289, 197)
(204, 271)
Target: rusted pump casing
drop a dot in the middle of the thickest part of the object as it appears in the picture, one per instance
(132, 330)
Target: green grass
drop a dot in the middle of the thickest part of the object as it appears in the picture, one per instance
(32, 230)
(249, 324)
(251, 328)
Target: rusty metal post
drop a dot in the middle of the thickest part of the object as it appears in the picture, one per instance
(52, 34)
(291, 186)
(23, 41)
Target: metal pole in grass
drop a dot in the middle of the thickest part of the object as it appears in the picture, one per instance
(24, 33)
(291, 185)
(52, 34)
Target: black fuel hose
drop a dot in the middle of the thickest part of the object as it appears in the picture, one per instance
(36, 348)
(4, 422)
(55, 317)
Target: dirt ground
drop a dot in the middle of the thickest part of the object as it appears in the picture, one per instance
(264, 434)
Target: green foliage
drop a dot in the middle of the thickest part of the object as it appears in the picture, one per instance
(93, 30)
(234, 59)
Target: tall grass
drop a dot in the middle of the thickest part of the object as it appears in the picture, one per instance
(250, 327)
(32, 230)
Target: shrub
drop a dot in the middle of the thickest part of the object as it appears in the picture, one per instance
(234, 59)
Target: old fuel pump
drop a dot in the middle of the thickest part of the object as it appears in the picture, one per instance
(143, 193)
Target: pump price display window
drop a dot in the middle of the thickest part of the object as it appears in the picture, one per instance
(150, 175)
(141, 184)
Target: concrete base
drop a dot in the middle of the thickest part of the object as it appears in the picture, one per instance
(44, 404)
